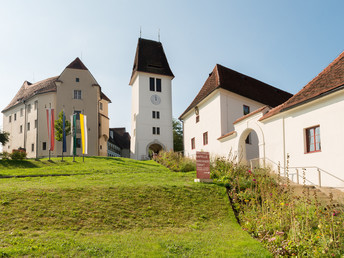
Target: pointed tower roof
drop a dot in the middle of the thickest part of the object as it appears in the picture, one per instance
(150, 58)
(233, 81)
(77, 64)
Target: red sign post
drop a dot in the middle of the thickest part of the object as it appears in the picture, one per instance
(203, 166)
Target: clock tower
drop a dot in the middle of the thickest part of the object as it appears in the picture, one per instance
(151, 107)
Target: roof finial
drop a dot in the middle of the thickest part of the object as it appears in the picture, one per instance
(140, 31)
(159, 35)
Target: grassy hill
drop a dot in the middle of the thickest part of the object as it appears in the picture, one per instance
(115, 207)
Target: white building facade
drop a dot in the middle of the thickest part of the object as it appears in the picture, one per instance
(303, 134)
(151, 110)
(74, 91)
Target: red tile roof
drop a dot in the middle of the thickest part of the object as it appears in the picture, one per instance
(28, 90)
(150, 58)
(226, 135)
(250, 114)
(225, 78)
(330, 79)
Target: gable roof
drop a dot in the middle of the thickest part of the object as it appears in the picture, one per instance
(28, 90)
(329, 80)
(77, 64)
(233, 81)
(150, 58)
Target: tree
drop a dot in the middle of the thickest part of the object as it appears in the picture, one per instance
(178, 144)
(4, 137)
(59, 128)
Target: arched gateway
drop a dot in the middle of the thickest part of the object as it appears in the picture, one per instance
(154, 147)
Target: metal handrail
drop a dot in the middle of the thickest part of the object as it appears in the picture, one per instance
(305, 167)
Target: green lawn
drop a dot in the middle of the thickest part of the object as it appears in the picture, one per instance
(115, 207)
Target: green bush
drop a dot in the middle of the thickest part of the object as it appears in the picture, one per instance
(286, 223)
(175, 161)
(5, 155)
(18, 154)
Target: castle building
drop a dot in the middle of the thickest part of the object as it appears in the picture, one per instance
(151, 109)
(75, 90)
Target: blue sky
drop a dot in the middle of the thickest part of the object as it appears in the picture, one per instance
(283, 43)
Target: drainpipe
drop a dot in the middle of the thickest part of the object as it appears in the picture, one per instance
(37, 132)
(25, 119)
(284, 154)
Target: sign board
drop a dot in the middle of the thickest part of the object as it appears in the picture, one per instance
(202, 165)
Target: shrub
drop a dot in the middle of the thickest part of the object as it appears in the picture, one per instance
(18, 154)
(286, 223)
(175, 161)
(5, 155)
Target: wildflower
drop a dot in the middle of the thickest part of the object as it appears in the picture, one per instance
(246, 200)
(279, 233)
(319, 226)
(254, 180)
(282, 203)
(271, 239)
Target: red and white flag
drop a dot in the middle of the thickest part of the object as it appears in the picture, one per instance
(51, 128)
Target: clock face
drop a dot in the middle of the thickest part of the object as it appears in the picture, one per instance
(155, 99)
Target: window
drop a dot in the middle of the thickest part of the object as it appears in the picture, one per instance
(10, 119)
(156, 114)
(44, 146)
(246, 109)
(21, 129)
(21, 112)
(205, 138)
(154, 130)
(28, 126)
(154, 84)
(77, 94)
(15, 116)
(100, 147)
(36, 105)
(36, 123)
(32, 147)
(100, 105)
(193, 143)
(158, 130)
(151, 84)
(197, 119)
(248, 139)
(77, 79)
(158, 85)
(29, 108)
(313, 143)
(78, 142)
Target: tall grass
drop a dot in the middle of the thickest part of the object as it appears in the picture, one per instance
(175, 161)
(287, 223)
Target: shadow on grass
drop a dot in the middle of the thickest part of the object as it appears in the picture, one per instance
(17, 163)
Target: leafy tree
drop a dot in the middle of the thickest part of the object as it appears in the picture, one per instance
(4, 137)
(59, 128)
(178, 144)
